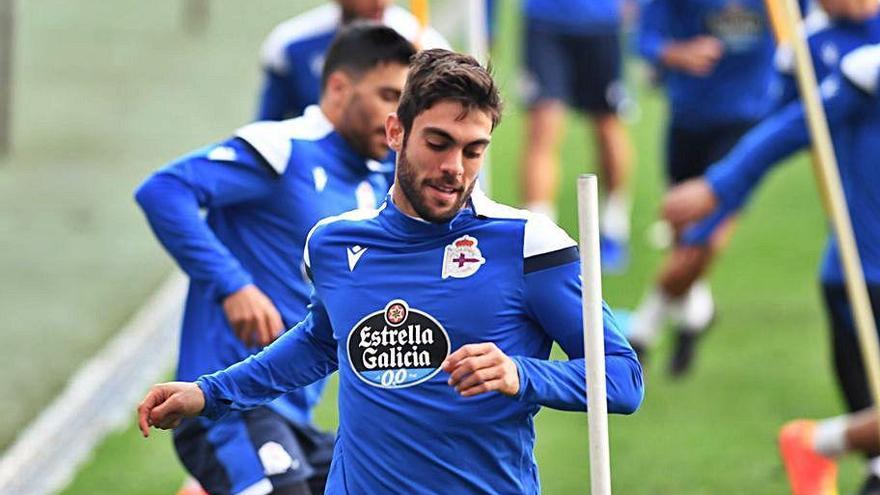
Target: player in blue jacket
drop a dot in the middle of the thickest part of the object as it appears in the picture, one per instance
(262, 190)
(715, 59)
(850, 98)
(438, 309)
(573, 59)
(293, 54)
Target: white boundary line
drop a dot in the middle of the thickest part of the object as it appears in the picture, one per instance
(99, 398)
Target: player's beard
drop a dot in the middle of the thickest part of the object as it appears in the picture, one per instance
(406, 181)
(357, 132)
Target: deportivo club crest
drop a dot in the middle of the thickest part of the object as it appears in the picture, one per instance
(462, 258)
(397, 347)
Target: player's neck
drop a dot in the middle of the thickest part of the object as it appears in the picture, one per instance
(402, 203)
(331, 112)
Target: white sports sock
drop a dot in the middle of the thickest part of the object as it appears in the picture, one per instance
(874, 466)
(697, 308)
(830, 438)
(543, 207)
(614, 216)
(650, 317)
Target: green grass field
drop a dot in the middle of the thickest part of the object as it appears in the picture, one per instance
(107, 91)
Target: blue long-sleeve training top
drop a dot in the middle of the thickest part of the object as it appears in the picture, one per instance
(741, 86)
(292, 56)
(851, 102)
(578, 17)
(262, 190)
(394, 296)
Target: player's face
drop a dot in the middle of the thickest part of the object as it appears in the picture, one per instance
(363, 9)
(438, 161)
(855, 10)
(372, 98)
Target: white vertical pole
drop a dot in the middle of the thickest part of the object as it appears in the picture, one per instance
(478, 46)
(594, 334)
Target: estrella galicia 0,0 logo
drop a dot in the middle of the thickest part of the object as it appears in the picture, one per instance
(397, 347)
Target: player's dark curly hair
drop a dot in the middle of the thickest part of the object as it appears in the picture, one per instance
(438, 75)
(363, 45)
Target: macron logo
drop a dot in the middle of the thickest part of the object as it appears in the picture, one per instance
(354, 254)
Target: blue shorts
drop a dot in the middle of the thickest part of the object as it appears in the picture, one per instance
(257, 450)
(581, 70)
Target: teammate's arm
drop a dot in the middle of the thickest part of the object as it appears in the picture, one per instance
(728, 184)
(696, 56)
(301, 356)
(171, 199)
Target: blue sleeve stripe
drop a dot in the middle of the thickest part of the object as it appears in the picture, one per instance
(551, 259)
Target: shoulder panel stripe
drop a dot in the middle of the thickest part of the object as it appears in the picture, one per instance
(862, 68)
(272, 140)
(315, 22)
(816, 20)
(351, 215)
(259, 155)
(541, 234)
(552, 259)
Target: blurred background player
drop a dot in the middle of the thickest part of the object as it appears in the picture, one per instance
(293, 54)
(573, 58)
(852, 104)
(263, 189)
(834, 30)
(715, 60)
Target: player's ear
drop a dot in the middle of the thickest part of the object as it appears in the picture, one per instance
(394, 132)
(339, 85)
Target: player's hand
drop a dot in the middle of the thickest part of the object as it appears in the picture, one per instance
(696, 56)
(166, 404)
(479, 368)
(252, 316)
(688, 202)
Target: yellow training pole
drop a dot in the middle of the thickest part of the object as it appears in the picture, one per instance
(422, 10)
(828, 177)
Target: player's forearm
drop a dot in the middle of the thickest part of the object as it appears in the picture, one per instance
(562, 384)
(554, 295)
(651, 40)
(651, 46)
(172, 209)
(733, 179)
(298, 358)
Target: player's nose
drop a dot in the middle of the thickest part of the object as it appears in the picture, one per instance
(453, 164)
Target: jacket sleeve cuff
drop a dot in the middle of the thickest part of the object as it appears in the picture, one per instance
(231, 284)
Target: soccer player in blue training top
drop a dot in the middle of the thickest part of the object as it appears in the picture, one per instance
(293, 54)
(263, 189)
(573, 58)
(834, 28)
(852, 103)
(715, 58)
(438, 309)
